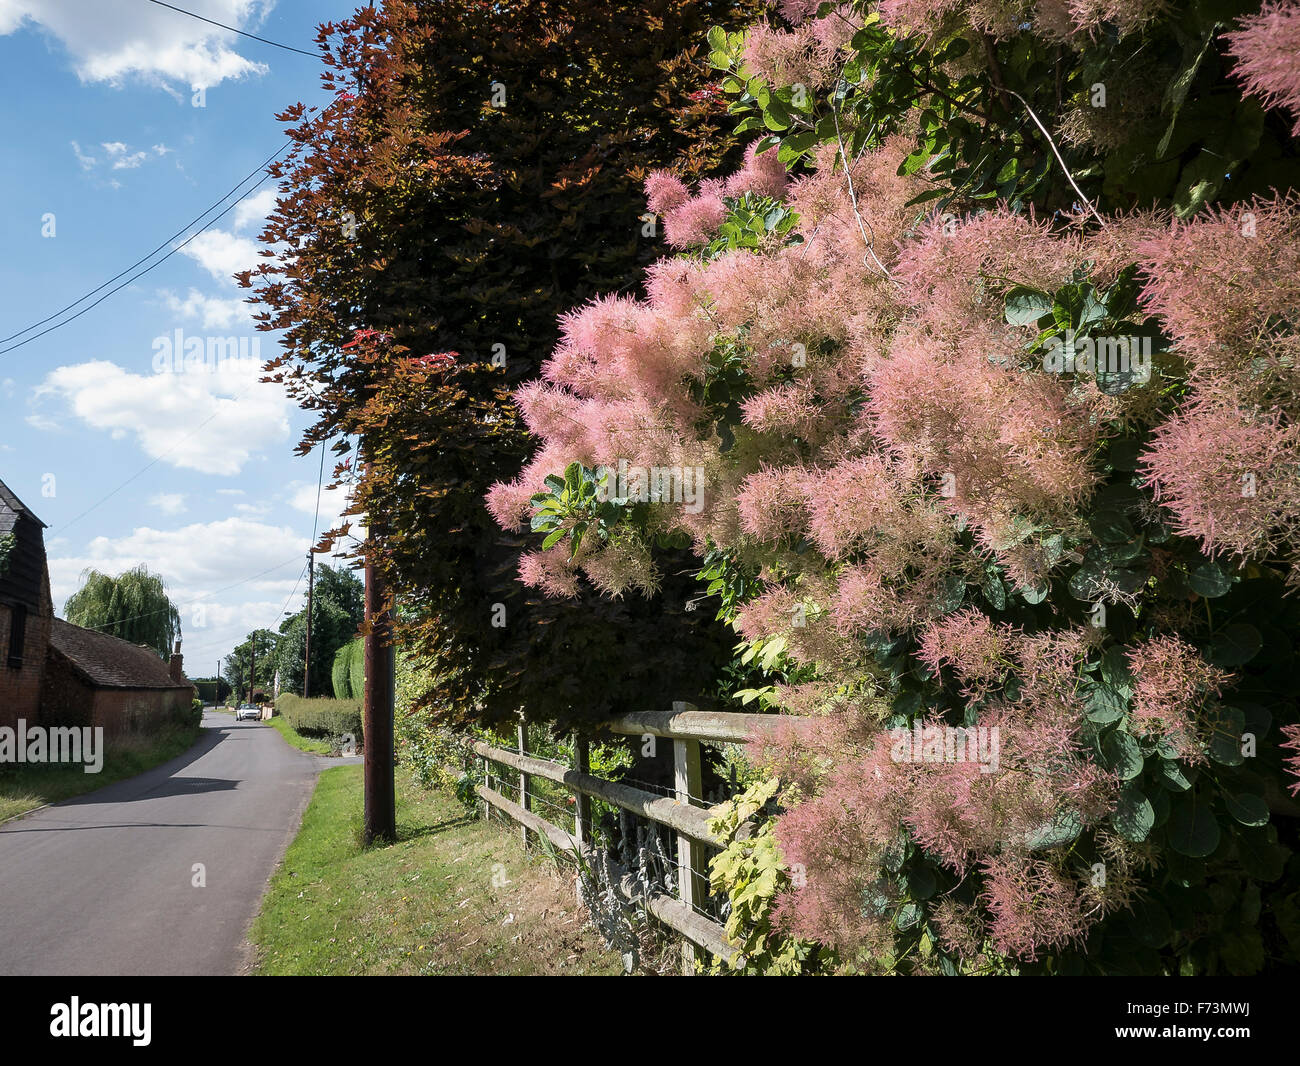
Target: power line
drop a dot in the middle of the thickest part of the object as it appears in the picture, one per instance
(320, 479)
(232, 29)
(283, 606)
(135, 277)
(151, 464)
(191, 603)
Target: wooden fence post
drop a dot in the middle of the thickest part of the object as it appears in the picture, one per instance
(691, 855)
(581, 803)
(487, 783)
(525, 782)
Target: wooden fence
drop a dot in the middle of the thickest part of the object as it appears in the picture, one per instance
(687, 727)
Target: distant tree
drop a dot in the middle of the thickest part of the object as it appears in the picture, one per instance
(331, 628)
(134, 606)
(343, 588)
(212, 689)
(338, 609)
(239, 663)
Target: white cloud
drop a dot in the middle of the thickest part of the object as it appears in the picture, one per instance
(230, 492)
(87, 161)
(194, 560)
(332, 504)
(169, 502)
(122, 157)
(200, 562)
(254, 208)
(116, 40)
(213, 311)
(117, 155)
(222, 254)
(210, 420)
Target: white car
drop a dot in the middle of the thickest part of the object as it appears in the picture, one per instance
(247, 710)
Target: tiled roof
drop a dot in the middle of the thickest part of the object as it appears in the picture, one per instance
(24, 573)
(109, 662)
(10, 508)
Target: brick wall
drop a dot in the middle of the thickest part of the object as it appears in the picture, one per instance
(122, 711)
(20, 690)
(65, 698)
(68, 700)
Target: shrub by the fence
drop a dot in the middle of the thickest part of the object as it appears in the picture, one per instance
(321, 717)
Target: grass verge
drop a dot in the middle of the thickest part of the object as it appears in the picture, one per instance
(24, 788)
(454, 895)
(311, 745)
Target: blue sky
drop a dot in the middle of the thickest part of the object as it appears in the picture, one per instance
(105, 156)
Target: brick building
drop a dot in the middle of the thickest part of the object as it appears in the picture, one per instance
(55, 673)
(26, 611)
(98, 680)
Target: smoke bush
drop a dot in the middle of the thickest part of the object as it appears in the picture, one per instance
(952, 533)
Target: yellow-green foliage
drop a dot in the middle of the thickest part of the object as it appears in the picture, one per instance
(751, 873)
(321, 716)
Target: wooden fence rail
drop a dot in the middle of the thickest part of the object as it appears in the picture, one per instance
(687, 727)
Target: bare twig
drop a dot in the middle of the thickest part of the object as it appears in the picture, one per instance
(863, 226)
(1052, 144)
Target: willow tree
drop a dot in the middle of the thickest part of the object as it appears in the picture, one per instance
(134, 606)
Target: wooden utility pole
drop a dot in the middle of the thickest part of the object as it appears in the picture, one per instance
(379, 821)
(306, 665)
(252, 669)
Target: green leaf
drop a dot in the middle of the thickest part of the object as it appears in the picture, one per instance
(1037, 593)
(908, 915)
(1124, 454)
(1176, 90)
(994, 591)
(1099, 577)
(1025, 306)
(925, 197)
(1150, 923)
(553, 539)
(1209, 580)
(1261, 857)
(1225, 742)
(1121, 753)
(1193, 830)
(1112, 527)
(950, 598)
(1105, 704)
(1062, 829)
(1134, 816)
(1234, 645)
(1115, 669)
(1246, 808)
(921, 882)
(1172, 776)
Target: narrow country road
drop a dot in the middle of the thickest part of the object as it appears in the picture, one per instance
(104, 883)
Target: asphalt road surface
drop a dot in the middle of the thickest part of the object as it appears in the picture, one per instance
(105, 883)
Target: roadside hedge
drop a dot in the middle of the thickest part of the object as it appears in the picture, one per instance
(321, 717)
